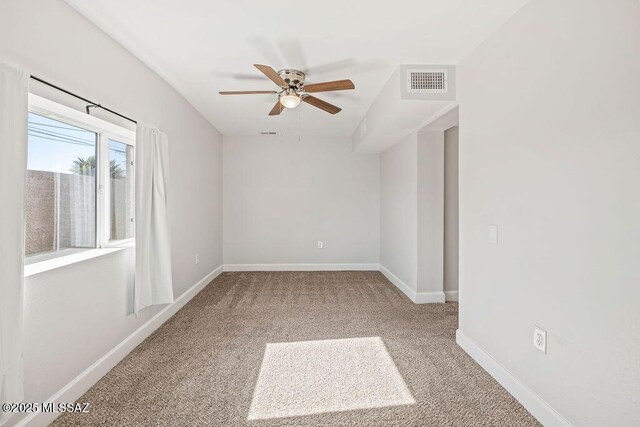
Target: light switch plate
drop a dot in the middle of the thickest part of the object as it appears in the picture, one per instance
(493, 233)
(320, 244)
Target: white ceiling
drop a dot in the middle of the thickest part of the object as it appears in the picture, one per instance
(203, 46)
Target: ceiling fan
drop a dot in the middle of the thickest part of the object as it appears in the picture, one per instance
(293, 90)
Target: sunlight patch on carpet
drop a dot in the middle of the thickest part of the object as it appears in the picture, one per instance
(313, 377)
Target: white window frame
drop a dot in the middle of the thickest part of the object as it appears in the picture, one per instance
(105, 131)
(103, 223)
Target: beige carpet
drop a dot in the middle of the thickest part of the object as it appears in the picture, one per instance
(301, 349)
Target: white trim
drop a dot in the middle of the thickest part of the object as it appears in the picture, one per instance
(416, 297)
(63, 261)
(399, 283)
(44, 106)
(105, 131)
(80, 384)
(104, 186)
(301, 267)
(540, 409)
(429, 298)
(103, 182)
(451, 295)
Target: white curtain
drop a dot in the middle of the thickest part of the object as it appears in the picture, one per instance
(13, 169)
(153, 283)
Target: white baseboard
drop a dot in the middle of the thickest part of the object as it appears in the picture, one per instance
(301, 267)
(540, 409)
(429, 297)
(416, 297)
(399, 283)
(451, 295)
(83, 382)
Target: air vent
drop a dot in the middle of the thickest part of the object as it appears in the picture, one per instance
(427, 81)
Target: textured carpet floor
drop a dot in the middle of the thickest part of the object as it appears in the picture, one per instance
(202, 366)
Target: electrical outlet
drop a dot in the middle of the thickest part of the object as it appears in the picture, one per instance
(320, 244)
(197, 260)
(540, 339)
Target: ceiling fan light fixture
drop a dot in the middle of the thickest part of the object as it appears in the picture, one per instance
(291, 83)
(290, 99)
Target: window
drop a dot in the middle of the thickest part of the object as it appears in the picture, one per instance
(120, 190)
(61, 187)
(79, 184)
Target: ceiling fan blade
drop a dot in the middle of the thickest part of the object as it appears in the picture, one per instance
(277, 109)
(329, 108)
(271, 73)
(246, 92)
(329, 86)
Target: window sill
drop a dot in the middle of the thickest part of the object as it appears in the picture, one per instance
(52, 264)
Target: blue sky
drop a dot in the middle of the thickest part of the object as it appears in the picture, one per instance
(53, 145)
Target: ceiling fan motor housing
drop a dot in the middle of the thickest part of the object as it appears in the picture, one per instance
(294, 78)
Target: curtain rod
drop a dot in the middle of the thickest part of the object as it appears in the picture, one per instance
(92, 104)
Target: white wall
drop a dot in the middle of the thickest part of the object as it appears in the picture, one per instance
(549, 151)
(399, 210)
(412, 215)
(451, 210)
(282, 196)
(430, 159)
(75, 314)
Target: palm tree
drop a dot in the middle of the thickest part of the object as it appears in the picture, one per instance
(87, 166)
